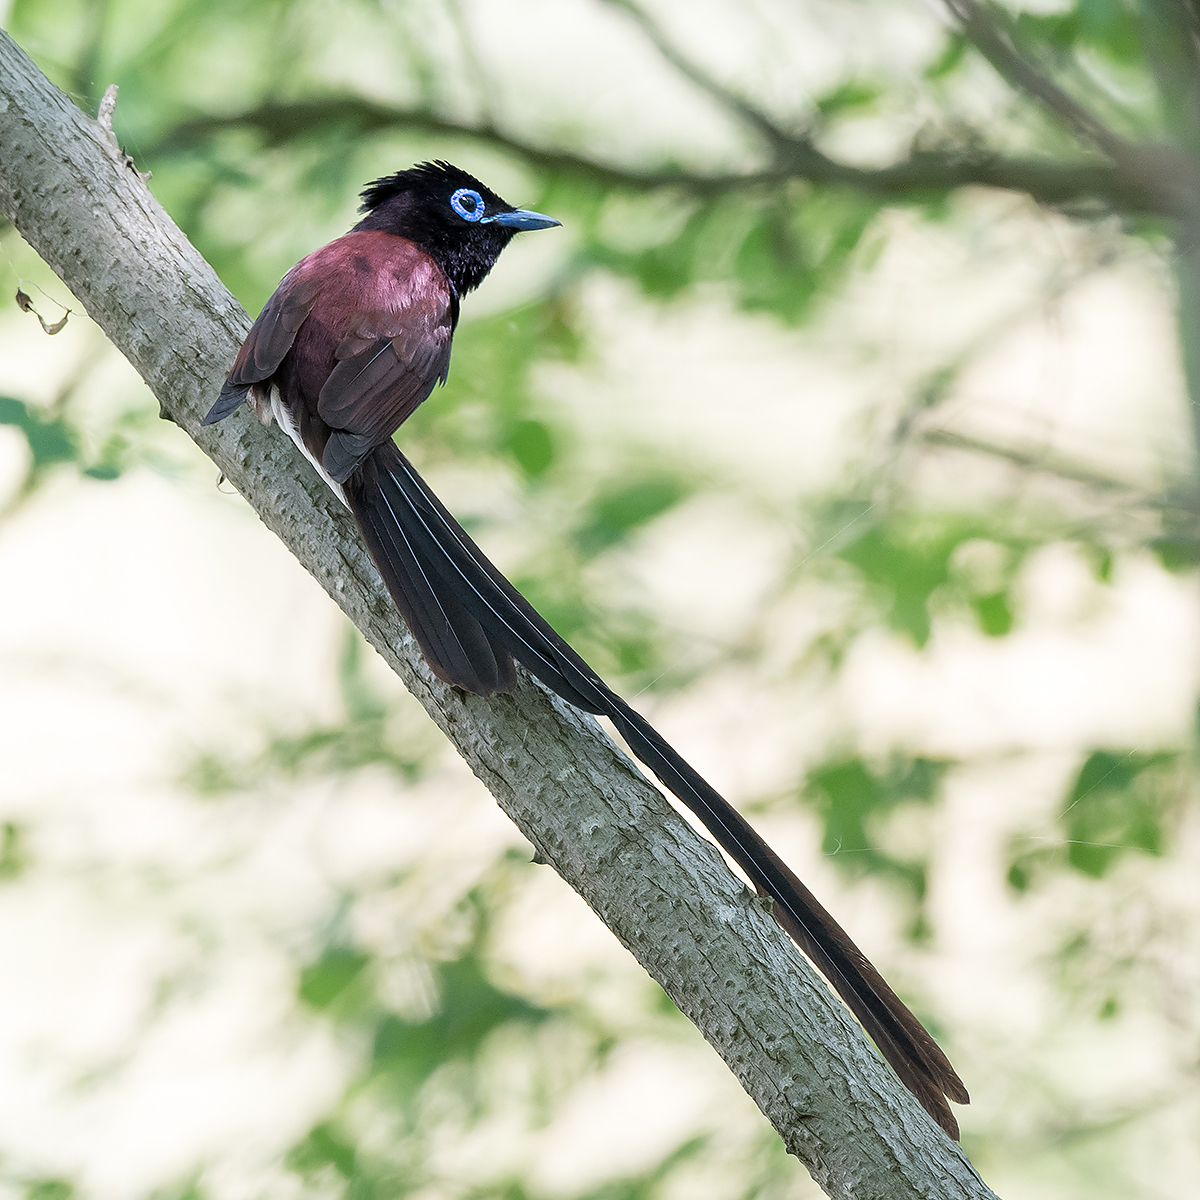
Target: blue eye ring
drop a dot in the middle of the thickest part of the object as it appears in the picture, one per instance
(467, 214)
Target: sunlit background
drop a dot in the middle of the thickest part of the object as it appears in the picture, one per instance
(879, 509)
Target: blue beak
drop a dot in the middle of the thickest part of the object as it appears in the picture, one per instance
(522, 219)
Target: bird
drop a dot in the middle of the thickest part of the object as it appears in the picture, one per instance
(356, 336)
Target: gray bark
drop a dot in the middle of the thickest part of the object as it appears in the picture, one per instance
(665, 892)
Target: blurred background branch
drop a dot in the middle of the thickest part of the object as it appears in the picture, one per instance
(921, 173)
(982, 27)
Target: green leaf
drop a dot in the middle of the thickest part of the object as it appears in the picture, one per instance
(532, 445)
(1177, 554)
(1026, 865)
(1119, 803)
(666, 269)
(471, 1009)
(614, 514)
(906, 568)
(1107, 27)
(994, 613)
(772, 271)
(323, 1147)
(50, 441)
(327, 980)
(908, 560)
(14, 853)
(847, 96)
(13, 412)
(49, 1189)
(851, 794)
(105, 472)
(953, 52)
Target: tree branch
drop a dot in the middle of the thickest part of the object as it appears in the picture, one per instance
(923, 173)
(778, 139)
(665, 892)
(1048, 463)
(1153, 168)
(985, 33)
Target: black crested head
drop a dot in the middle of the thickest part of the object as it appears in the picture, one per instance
(461, 222)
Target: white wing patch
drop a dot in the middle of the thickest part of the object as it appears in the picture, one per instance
(284, 419)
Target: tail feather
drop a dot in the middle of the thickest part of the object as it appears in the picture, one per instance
(232, 394)
(437, 548)
(452, 640)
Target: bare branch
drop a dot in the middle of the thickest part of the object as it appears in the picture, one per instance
(781, 142)
(923, 173)
(1149, 167)
(665, 892)
(1171, 42)
(992, 40)
(481, 80)
(1047, 463)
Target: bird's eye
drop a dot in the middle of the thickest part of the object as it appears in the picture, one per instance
(468, 203)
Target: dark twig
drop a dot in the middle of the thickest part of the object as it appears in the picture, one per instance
(87, 66)
(481, 79)
(782, 143)
(1045, 463)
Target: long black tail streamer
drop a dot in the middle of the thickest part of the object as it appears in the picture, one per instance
(471, 623)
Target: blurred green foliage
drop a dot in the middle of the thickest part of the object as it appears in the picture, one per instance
(50, 441)
(617, 511)
(853, 799)
(1106, 27)
(52, 438)
(257, 149)
(14, 854)
(371, 733)
(49, 1189)
(405, 1051)
(438, 1061)
(1120, 802)
(910, 562)
(782, 253)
